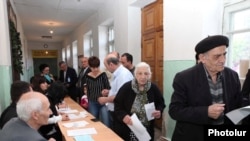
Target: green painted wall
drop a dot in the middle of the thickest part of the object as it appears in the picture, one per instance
(6, 80)
(170, 69)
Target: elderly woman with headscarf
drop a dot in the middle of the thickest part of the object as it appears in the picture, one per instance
(132, 98)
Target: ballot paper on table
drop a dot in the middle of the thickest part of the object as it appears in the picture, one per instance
(77, 116)
(138, 129)
(78, 132)
(67, 110)
(238, 114)
(150, 108)
(83, 138)
(75, 124)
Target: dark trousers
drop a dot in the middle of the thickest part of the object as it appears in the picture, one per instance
(80, 93)
(111, 120)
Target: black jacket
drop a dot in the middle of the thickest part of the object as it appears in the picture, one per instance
(123, 103)
(8, 113)
(70, 81)
(191, 98)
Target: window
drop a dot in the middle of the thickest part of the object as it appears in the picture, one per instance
(88, 44)
(106, 38)
(91, 45)
(111, 39)
(237, 28)
(63, 54)
(75, 56)
(68, 54)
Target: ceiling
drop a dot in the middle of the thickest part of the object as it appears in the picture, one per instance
(38, 17)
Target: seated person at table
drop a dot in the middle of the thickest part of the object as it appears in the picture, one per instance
(18, 88)
(33, 111)
(132, 98)
(39, 84)
(55, 93)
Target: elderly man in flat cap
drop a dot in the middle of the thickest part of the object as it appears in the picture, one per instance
(204, 93)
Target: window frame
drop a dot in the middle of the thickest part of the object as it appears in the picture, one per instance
(229, 10)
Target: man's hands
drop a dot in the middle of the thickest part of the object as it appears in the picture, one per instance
(105, 92)
(102, 100)
(215, 110)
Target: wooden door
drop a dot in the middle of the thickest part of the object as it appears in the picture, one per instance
(148, 51)
(159, 60)
(152, 18)
(149, 22)
(152, 43)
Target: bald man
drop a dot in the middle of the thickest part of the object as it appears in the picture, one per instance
(117, 54)
(33, 110)
(120, 76)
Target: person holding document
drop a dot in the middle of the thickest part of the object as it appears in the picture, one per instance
(204, 93)
(133, 98)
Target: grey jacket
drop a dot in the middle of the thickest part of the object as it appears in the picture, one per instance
(17, 130)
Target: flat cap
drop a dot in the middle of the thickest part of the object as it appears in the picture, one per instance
(211, 42)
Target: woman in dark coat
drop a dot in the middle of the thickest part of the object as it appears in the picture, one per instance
(132, 97)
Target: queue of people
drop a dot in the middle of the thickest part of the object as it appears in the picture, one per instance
(100, 98)
(202, 95)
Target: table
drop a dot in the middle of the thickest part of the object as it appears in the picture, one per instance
(103, 132)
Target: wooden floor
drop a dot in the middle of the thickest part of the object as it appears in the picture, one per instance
(158, 135)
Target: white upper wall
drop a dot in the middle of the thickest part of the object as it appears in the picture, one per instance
(40, 46)
(127, 28)
(134, 34)
(186, 23)
(4, 36)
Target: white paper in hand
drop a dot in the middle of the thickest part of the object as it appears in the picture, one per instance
(238, 114)
(150, 108)
(138, 129)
